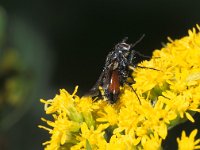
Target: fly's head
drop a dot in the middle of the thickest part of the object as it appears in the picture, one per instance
(120, 56)
(123, 48)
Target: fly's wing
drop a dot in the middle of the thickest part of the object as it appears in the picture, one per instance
(103, 80)
(94, 91)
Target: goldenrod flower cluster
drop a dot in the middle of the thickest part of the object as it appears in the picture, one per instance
(168, 95)
(188, 143)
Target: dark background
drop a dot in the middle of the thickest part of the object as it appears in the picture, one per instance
(79, 35)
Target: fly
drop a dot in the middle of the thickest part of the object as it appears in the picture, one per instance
(116, 71)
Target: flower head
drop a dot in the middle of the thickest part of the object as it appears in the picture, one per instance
(188, 143)
(163, 97)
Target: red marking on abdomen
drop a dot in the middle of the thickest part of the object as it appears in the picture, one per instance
(114, 86)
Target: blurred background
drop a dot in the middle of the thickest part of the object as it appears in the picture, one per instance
(48, 45)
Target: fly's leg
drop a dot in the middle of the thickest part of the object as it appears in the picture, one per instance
(127, 83)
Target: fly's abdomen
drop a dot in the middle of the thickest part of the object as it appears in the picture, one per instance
(114, 86)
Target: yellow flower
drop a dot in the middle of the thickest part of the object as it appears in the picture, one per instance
(163, 98)
(95, 137)
(63, 103)
(62, 132)
(152, 142)
(108, 114)
(188, 143)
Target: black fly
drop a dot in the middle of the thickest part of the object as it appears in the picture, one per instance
(116, 71)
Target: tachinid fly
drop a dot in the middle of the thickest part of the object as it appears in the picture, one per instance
(116, 71)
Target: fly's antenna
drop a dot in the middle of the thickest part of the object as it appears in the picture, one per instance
(138, 41)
